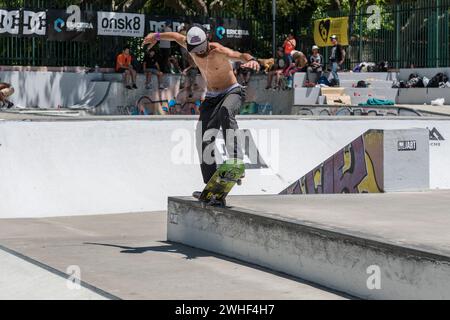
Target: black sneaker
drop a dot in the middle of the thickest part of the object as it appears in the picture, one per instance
(239, 181)
(129, 87)
(135, 86)
(197, 194)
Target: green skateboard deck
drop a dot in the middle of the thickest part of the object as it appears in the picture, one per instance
(222, 182)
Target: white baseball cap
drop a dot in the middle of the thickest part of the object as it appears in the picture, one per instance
(315, 48)
(197, 39)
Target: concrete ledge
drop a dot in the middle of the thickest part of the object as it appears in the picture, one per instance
(361, 95)
(423, 72)
(420, 96)
(306, 96)
(288, 234)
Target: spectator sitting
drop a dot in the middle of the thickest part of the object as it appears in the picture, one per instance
(5, 92)
(151, 67)
(276, 69)
(123, 65)
(174, 66)
(316, 64)
(299, 65)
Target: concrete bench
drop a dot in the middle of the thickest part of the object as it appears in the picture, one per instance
(422, 95)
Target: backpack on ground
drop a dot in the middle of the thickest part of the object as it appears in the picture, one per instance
(334, 83)
(436, 81)
(362, 84)
(399, 84)
(415, 81)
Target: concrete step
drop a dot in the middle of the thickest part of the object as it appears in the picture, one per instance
(373, 84)
(423, 72)
(422, 95)
(368, 76)
(361, 95)
(375, 246)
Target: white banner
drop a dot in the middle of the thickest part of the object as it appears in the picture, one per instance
(9, 21)
(35, 23)
(121, 24)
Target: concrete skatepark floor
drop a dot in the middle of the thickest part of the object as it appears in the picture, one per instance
(127, 256)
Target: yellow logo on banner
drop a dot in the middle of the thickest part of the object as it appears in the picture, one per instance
(325, 28)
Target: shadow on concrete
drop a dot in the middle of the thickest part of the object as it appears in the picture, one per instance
(191, 253)
(167, 247)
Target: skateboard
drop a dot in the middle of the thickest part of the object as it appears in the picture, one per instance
(222, 182)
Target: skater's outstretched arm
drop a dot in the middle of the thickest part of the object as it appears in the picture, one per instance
(248, 60)
(153, 38)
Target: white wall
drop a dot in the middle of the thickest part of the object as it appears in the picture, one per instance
(49, 89)
(98, 167)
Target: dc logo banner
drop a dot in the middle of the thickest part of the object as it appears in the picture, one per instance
(156, 24)
(9, 21)
(120, 24)
(35, 23)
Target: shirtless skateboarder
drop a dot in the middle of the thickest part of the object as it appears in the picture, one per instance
(224, 96)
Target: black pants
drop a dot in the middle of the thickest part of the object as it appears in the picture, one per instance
(313, 74)
(165, 55)
(215, 113)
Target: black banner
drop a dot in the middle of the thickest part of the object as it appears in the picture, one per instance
(71, 25)
(232, 33)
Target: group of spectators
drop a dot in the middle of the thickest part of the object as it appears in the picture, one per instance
(129, 66)
(289, 61)
(157, 62)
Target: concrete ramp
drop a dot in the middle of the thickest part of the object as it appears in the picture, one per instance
(373, 246)
(377, 161)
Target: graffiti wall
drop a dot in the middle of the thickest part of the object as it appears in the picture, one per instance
(357, 168)
(183, 97)
(377, 111)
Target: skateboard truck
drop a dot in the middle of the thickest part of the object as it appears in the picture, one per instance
(237, 181)
(211, 202)
(217, 203)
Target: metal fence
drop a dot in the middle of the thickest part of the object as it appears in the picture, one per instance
(412, 33)
(415, 33)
